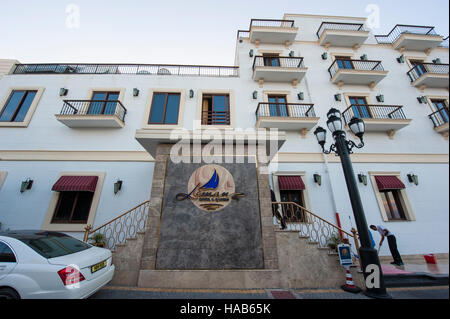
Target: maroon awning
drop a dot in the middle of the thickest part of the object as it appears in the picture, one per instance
(76, 184)
(389, 182)
(291, 183)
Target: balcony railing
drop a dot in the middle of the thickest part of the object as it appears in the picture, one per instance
(271, 23)
(94, 107)
(339, 26)
(215, 118)
(265, 23)
(284, 62)
(440, 117)
(374, 112)
(444, 43)
(291, 110)
(362, 65)
(401, 29)
(140, 69)
(420, 69)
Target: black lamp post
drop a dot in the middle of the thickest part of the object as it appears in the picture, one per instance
(343, 148)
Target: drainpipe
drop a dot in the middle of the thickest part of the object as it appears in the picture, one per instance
(333, 199)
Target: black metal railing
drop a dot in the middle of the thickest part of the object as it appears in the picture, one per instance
(271, 23)
(370, 111)
(265, 23)
(444, 43)
(215, 118)
(339, 26)
(243, 34)
(401, 29)
(348, 64)
(439, 117)
(292, 110)
(94, 107)
(278, 61)
(420, 69)
(140, 69)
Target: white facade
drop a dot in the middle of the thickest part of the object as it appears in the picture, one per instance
(46, 147)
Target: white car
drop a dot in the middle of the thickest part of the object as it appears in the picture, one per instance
(45, 264)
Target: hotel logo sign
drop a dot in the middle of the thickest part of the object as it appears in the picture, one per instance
(210, 188)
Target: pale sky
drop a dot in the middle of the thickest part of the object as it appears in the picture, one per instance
(171, 31)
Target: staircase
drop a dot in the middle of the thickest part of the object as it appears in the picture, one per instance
(305, 260)
(124, 236)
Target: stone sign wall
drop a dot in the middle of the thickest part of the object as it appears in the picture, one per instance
(214, 222)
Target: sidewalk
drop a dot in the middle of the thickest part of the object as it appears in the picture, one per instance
(112, 292)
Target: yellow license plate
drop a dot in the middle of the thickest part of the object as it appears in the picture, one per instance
(98, 266)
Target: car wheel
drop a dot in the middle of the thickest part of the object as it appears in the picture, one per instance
(8, 293)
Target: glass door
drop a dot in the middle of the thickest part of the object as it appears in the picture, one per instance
(278, 106)
(103, 106)
(344, 62)
(359, 107)
(441, 110)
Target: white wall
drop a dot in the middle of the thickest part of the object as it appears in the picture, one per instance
(27, 210)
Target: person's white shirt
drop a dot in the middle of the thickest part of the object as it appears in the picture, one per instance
(382, 230)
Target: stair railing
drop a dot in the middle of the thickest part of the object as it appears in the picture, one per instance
(124, 226)
(297, 218)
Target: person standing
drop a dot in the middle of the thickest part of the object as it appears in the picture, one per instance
(392, 242)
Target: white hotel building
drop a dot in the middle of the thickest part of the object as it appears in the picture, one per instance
(111, 124)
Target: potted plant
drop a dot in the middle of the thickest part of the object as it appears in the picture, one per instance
(98, 240)
(334, 241)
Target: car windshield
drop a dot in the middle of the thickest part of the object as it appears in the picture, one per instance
(51, 245)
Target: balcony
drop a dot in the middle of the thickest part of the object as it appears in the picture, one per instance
(411, 37)
(440, 120)
(431, 75)
(342, 34)
(286, 116)
(92, 113)
(140, 69)
(278, 69)
(356, 72)
(272, 31)
(378, 118)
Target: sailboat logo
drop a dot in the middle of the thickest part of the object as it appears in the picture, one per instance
(213, 182)
(210, 188)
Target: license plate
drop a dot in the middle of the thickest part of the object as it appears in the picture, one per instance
(98, 266)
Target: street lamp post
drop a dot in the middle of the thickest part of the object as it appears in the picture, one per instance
(343, 148)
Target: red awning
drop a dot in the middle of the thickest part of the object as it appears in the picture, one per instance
(291, 182)
(76, 184)
(389, 182)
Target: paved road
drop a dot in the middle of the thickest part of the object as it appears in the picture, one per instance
(440, 292)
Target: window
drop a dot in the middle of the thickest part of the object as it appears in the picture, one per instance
(277, 105)
(6, 254)
(359, 106)
(216, 109)
(392, 204)
(344, 62)
(165, 108)
(73, 207)
(271, 60)
(291, 212)
(392, 198)
(17, 106)
(103, 106)
(53, 245)
(441, 109)
(418, 65)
